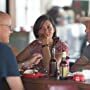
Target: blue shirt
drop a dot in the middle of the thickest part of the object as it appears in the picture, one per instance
(8, 64)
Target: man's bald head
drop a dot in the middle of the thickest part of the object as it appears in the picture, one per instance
(5, 27)
(5, 18)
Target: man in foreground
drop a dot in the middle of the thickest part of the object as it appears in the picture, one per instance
(9, 74)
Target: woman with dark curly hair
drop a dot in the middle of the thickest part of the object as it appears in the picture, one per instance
(45, 32)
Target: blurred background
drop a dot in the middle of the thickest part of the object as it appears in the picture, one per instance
(67, 14)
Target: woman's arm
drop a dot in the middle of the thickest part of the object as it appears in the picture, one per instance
(46, 56)
(24, 55)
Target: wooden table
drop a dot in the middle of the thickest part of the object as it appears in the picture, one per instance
(42, 83)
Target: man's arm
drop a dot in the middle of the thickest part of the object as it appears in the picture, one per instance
(81, 63)
(14, 83)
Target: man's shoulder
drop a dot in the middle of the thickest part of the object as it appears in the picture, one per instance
(4, 47)
(87, 48)
(87, 51)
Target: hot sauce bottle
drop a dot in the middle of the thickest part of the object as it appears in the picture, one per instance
(63, 69)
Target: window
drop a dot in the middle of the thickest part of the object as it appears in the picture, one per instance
(27, 12)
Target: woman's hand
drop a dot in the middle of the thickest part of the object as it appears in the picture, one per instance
(35, 59)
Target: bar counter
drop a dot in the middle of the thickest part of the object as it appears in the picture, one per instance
(43, 83)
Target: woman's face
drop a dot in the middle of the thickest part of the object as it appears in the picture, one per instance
(46, 30)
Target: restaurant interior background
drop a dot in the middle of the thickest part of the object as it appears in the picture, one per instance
(25, 12)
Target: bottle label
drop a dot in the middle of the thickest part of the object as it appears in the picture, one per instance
(63, 71)
(53, 68)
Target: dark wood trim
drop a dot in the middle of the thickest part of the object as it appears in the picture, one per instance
(7, 6)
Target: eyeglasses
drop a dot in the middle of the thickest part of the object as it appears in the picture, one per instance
(10, 28)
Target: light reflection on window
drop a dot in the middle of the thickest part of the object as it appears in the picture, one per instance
(26, 12)
(62, 3)
(3, 5)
